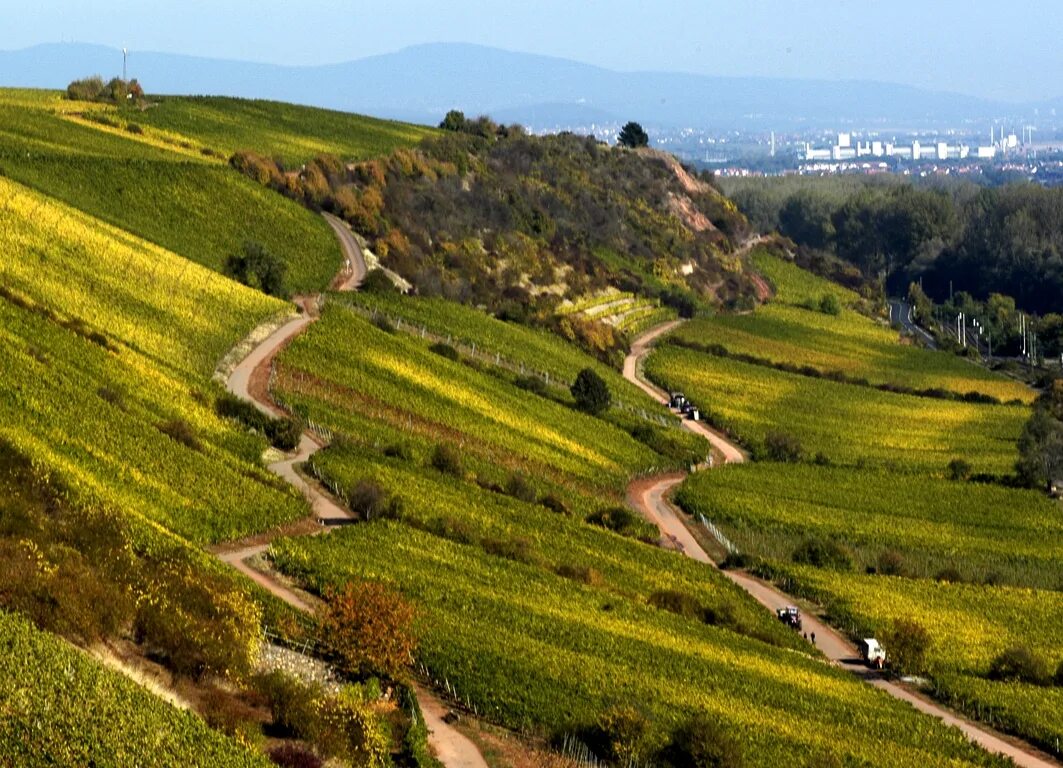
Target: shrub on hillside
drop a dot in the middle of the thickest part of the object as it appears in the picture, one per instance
(959, 470)
(368, 499)
(622, 735)
(554, 504)
(907, 643)
(293, 704)
(197, 621)
(519, 549)
(377, 281)
(703, 742)
(518, 486)
(676, 602)
(1020, 664)
(443, 349)
(782, 446)
(447, 460)
(368, 630)
(182, 432)
(591, 392)
(829, 304)
(257, 267)
(823, 553)
(891, 563)
(625, 522)
(351, 730)
(284, 434)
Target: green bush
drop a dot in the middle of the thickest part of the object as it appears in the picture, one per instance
(445, 350)
(518, 486)
(782, 446)
(293, 704)
(907, 643)
(829, 304)
(257, 267)
(377, 281)
(823, 553)
(591, 392)
(625, 522)
(1020, 664)
(369, 500)
(622, 735)
(447, 460)
(703, 743)
(182, 432)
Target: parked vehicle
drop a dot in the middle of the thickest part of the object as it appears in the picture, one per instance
(790, 616)
(873, 654)
(694, 414)
(677, 400)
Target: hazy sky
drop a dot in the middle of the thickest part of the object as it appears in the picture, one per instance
(1008, 50)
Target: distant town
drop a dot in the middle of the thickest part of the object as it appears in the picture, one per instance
(1000, 152)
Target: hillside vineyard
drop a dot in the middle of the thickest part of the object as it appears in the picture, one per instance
(536, 451)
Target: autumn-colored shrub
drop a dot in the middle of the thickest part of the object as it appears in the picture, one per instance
(368, 629)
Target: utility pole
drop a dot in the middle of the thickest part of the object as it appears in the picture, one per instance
(125, 57)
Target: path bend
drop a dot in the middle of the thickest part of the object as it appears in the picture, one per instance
(650, 497)
(249, 381)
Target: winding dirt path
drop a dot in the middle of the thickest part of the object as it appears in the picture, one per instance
(640, 347)
(354, 267)
(650, 497)
(249, 381)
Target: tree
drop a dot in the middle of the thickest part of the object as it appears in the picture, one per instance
(632, 135)
(368, 629)
(454, 121)
(591, 392)
(256, 267)
(1041, 449)
(906, 644)
(805, 219)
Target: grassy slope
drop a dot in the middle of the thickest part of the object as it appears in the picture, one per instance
(60, 707)
(846, 423)
(932, 523)
(358, 368)
(93, 413)
(194, 206)
(526, 646)
(984, 532)
(291, 132)
(532, 649)
(783, 331)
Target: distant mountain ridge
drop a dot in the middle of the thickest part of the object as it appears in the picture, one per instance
(422, 83)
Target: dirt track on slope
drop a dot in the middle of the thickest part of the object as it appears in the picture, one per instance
(249, 381)
(650, 498)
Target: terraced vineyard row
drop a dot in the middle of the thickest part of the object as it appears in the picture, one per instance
(532, 649)
(60, 707)
(106, 374)
(933, 524)
(353, 366)
(844, 423)
(195, 207)
(787, 331)
(293, 133)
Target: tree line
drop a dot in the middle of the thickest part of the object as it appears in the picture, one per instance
(947, 237)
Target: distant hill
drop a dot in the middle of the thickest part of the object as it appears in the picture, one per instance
(421, 83)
